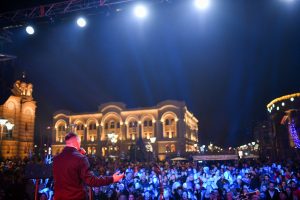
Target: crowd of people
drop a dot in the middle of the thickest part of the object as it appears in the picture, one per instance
(243, 179)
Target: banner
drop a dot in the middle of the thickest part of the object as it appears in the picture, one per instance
(216, 157)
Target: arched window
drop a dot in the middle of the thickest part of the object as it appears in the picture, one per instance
(61, 132)
(112, 124)
(167, 122)
(80, 130)
(148, 130)
(79, 127)
(169, 127)
(168, 149)
(61, 128)
(92, 132)
(92, 126)
(173, 149)
(133, 124)
(133, 130)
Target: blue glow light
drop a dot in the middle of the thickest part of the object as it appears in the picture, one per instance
(294, 134)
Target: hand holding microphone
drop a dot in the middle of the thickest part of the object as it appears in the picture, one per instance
(82, 151)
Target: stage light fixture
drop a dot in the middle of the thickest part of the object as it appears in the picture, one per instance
(202, 4)
(140, 11)
(81, 22)
(30, 30)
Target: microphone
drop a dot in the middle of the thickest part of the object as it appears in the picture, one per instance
(156, 169)
(82, 151)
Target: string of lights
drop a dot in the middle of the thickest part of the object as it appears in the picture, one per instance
(294, 134)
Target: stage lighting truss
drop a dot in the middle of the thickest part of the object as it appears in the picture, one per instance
(45, 12)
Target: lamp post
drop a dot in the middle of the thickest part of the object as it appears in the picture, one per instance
(152, 141)
(2, 124)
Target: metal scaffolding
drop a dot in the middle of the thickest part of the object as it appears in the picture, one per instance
(15, 18)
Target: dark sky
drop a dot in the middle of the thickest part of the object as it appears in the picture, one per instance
(226, 63)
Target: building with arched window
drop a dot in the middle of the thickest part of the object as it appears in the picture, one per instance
(113, 128)
(17, 119)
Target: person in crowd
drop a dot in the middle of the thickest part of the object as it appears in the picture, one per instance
(272, 193)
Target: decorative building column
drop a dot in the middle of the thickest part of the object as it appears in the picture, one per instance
(160, 129)
(54, 135)
(126, 128)
(124, 132)
(85, 136)
(154, 128)
(140, 129)
(177, 127)
(98, 132)
(85, 133)
(121, 134)
(98, 141)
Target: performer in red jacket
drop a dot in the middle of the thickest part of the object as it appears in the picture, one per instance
(71, 172)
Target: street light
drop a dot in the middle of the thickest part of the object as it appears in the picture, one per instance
(152, 141)
(9, 126)
(113, 139)
(5, 123)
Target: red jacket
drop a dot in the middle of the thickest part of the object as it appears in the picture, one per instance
(71, 173)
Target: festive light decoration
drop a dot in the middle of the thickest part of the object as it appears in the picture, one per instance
(294, 134)
(290, 97)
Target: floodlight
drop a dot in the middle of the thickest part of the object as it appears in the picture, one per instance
(140, 11)
(30, 30)
(202, 4)
(81, 22)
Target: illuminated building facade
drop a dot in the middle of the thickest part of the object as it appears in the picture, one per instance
(285, 116)
(174, 128)
(17, 119)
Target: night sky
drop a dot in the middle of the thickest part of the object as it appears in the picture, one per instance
(226, 63)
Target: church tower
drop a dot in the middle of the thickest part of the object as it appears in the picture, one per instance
(17, 119)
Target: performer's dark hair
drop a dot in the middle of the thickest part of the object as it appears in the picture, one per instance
(70, 135)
